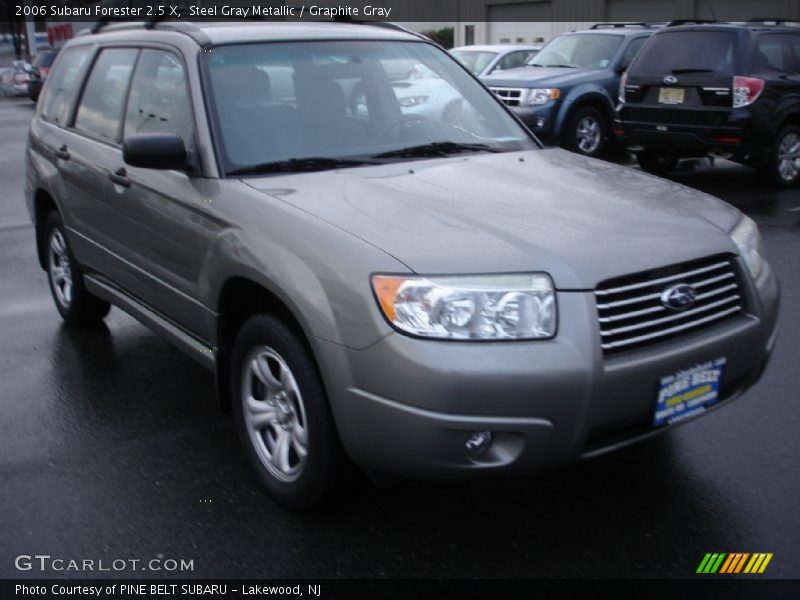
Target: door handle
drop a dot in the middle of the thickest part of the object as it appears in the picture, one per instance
(63, 153)
(120, 177)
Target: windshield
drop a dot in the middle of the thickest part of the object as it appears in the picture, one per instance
(583, 51)
(688, 52)
(474, 60)
(338, 103)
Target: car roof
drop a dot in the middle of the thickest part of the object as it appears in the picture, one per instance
(498, 47)
(227, 32)
(760, 25)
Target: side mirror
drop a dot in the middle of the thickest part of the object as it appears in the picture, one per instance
(155, 151)
(623, 66)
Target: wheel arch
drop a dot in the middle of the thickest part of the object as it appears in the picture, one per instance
(596, 98)
(791, 119)
(43, 204)
(240, 297)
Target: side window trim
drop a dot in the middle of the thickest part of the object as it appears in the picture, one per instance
(116, 143)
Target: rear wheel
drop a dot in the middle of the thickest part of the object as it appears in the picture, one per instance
(783, 167)
(74, 303)
(587, 132)
(282, 415)
(657, 162)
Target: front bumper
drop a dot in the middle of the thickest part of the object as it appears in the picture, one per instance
(408, 406)
(539, 119)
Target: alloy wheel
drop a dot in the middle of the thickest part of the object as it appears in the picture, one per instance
(274, 414)
(588, 134)
(60, 269)
(789, 157)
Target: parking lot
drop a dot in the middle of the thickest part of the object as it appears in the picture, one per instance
(112, 447)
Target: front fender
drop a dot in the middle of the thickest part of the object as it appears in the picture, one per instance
(321, 273)
(587, 92)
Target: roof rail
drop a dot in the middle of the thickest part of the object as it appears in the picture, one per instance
(185, 27)
(775, 22)
(382, 24)
(680, 22)
(148, 23)
(622, 25)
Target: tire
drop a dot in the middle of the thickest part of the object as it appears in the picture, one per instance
(281, 410)
(656, 162)
(783, 167)
(587, 132)
(74, 303)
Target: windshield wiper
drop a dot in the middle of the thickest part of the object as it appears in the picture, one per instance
(683, 71)
(561, 67)
(436, 149)
(300, 165)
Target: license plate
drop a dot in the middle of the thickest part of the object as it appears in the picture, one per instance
(671, 95)
(688, 392)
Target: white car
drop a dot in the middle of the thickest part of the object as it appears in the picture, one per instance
(482, 60)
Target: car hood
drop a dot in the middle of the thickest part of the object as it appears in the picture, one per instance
(539, 77)
(579, 219)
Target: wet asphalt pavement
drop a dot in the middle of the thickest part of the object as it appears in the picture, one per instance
(112, 446)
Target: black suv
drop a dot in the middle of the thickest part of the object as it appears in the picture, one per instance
(721, 89)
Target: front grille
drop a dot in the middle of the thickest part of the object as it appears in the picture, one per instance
(511, 96)
(631, 313)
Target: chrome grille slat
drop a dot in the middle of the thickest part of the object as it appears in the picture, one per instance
(637, 286)
(511, 96)
(631, 313)
(654, 309)
(674, 317)
(650, 336)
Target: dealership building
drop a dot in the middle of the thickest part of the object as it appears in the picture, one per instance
(536, 21)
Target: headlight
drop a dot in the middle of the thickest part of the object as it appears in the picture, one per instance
(480, 307)
(539, 96)
(746, 236)
(411, 101)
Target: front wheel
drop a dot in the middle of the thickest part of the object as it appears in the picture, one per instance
(282, 415)
(587, 132)
(783, 167)
(74, 303)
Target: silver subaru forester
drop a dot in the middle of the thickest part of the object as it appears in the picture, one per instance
(378, 261)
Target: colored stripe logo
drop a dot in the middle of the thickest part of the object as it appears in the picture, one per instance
(734, 563)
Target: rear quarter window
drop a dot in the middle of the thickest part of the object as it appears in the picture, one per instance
(688, 52)
(62, 85)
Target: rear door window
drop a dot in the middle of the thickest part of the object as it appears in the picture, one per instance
(794, 43)
(62, 85)
(100, 109)
(771, 55)
(688, 52)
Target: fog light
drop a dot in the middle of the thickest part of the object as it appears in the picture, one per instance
(478, 443)
(539, 123)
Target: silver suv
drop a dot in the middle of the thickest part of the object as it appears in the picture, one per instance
(382, 267)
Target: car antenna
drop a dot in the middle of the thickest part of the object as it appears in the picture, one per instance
(713, 14)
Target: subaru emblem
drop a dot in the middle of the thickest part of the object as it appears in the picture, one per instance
(670, 80)
(679, 297)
